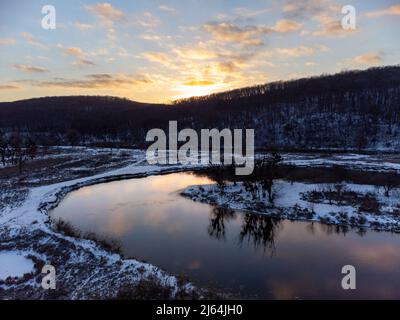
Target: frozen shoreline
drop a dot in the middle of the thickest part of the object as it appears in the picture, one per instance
(85, 271)
(291, 204)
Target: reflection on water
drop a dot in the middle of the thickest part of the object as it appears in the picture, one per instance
(260, 231)
(216, 227)
(250, 255)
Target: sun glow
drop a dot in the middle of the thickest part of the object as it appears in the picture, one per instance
(187, 91)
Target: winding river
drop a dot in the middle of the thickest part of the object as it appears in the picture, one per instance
(249, 256)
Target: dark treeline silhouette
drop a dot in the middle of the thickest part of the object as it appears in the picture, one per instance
(16, 150)
(349, 110)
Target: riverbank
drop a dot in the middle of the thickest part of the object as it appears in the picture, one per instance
(344, 204)
(84, 269)
(87, 270)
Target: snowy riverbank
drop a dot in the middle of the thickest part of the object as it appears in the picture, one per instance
(359, 206)
(84, 270)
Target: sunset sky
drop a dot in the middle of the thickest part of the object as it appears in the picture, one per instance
(158, 51)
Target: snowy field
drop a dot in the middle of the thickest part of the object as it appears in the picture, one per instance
(364, 162)
(84, 269)
(292, 202)
(29, 240)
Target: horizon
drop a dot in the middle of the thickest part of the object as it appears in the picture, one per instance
(171, 103)
(163, 51)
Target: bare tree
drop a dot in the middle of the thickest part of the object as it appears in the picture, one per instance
(392, 182)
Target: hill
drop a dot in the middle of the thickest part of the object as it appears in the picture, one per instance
(348, 110)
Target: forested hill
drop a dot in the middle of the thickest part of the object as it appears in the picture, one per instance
(349, 110)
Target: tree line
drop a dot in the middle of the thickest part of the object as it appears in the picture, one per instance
(349, 110)
(16, 150)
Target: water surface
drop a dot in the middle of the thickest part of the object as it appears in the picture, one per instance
(249, 255)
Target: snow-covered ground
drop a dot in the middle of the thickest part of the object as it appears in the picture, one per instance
(291, 202)
(14, 264)
(85, 270)
(364, 162)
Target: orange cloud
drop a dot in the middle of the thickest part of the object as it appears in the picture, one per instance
(393, 10)
(8, 87)
(96, 81)
(106, 12)
(158, 57)
(287, 26)
(229, 32)
(368, 59)
(74, 51)
(296, 52)
(7, 42)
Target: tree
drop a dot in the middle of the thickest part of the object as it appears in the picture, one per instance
(72, 136)
(21, 151)
(3, 149)
(391, 182)
(17, 154)
(217, 173)
(268, 172)
(30, 148)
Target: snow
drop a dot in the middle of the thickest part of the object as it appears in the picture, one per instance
(289, 198)
(14, 264)
(365, 162)
(111, 270)
(32, 216)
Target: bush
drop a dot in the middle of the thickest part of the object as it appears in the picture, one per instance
(148, 289)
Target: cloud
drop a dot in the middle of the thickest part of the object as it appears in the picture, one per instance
(166, 8)
(195, 53)
(249, 34)
(83, 26)
(158, 57)
(81, 56)
(108, 16)
(83, 62)
(327, 13)
(97, 81)
(393, 10)
(32, 40)
(305, 9)
(7, 42)
(331, 27)
(74, 51)
(29, 68)
(285, 25)
(8, 87)
(162, 40)
(296, 51)
(146, 20)
(311, 64)
(247, 13)
(106, 12)
(199, 83)
(368, 59)
(229, 32)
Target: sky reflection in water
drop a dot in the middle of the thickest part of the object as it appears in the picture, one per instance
(250, 255)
